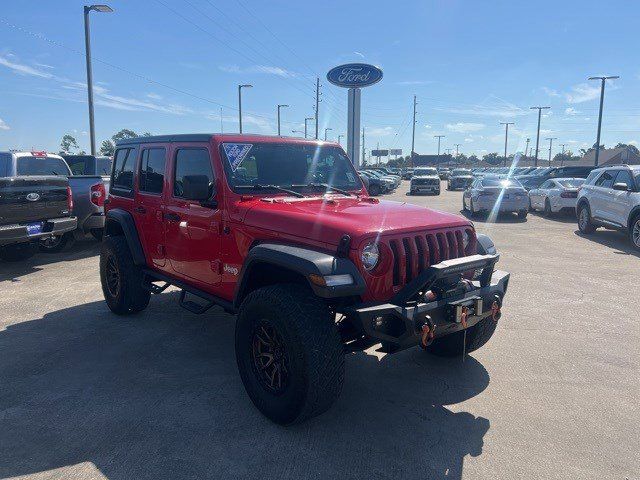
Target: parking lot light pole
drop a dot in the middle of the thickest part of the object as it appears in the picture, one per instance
(87, 45)
(550, 146)
(538, 134)
(325, 132)
(603, 80)
(439, 137)
(279, 107)
(562, 158)
(240, 87)
(506, 136)
(305, 125)
(339, 137)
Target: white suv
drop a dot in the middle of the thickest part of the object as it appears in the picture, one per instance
(610, 198)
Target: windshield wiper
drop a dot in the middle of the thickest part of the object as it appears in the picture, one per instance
(259, 186)
(326, 186)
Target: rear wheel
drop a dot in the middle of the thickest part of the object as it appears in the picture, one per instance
(584, 219)
(477, 336)
(289, 353)
(121, 279)
(54, 244)
(634, 232)
(18, 252)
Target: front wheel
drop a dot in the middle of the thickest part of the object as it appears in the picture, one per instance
(584, 220)
(289, 353)
(452, 345)
(634, 232)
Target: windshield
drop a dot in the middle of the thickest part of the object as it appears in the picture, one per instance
(41, 166)
(461, 171)
(500, 182)
(249, 166)
(425, 171)
(572, 183)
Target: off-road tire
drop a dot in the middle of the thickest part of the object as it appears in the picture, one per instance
(451, 345)
(18, 252)
(584, 224)
(97, 233)
(127, 296)
(314, 352)
(55, 244)
(634, 231)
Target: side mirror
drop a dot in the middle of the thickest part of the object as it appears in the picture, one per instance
(196, 187)
(621, 187)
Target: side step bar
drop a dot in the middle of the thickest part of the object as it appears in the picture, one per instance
(211, 300)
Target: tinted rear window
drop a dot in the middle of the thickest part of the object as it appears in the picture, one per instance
(80, 165)
(103, 166)
(5, 161)
(500, 182)
(151, 175)
(41, 166)
(124, 165)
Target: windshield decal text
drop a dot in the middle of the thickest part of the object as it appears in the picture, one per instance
(236, 153)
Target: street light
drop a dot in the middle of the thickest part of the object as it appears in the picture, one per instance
(439, 137)
(339, 137)
(325, 132)
(550, 146)
(240, 87)
(506, 136)
(279, 107)
(305, 125)
(87, 44)
(602, 80)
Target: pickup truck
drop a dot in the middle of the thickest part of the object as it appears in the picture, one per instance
(90, 165)
(88, 193)
(35, 204)
(281, 232)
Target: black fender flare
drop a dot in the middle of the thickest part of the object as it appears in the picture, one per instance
(304, 262)
(128, 226)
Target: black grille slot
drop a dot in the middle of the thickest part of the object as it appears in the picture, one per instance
(405, 242)
(396, 263)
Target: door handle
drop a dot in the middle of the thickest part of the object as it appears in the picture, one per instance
(172, 217)
(140, 210)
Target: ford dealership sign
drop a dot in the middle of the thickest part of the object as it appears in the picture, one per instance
(354, 75)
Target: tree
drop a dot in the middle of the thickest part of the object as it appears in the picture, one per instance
(632, 148)
(68, 144)
(107, 148)
(493, 158)
(473, 159)
(123, 134)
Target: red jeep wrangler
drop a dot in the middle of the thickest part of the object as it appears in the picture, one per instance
(281, 232)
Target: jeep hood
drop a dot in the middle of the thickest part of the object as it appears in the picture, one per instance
(327, 219)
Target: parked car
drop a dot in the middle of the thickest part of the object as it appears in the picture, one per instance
(425, 180)
(459, 179)
(36, 203)
(610, 198)
(407, 174)
(378, 184)
(443, 172)
(556, 195)
(365, 181)
(288, 256)
(90, 165)
(397, 179)
(541, 176)
(391, 181)
(496, 194)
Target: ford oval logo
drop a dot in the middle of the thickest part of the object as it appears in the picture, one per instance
(354, 75)
(33, 197)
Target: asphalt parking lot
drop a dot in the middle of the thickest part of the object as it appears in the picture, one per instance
(554, 394)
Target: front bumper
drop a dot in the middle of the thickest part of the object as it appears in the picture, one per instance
(504, 205)
(18, 233)
(400, 324)
(425, 188)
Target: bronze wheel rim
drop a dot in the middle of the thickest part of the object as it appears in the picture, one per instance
(270, 358)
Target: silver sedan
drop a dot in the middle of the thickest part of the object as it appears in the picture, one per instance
(495, 195)
(556, 195)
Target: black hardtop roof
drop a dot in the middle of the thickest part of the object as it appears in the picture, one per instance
(203, 137)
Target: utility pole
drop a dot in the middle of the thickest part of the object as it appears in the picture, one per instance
(562, 158)
(305, 125)
(457, 145)
(439, 137)
(340, 136)
(550, 145)
(538, 134)
(279, 107)
(87, 46)
(221, 125)
(526, 149)
(317, 103)
(364, 163)
(413, 132)
(506, 136)
(325, 132)
(240, 87)
(603, 80)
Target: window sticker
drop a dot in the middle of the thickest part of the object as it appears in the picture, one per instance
(350, 177)
(236, 153)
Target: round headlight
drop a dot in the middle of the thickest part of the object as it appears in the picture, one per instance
(466, 239)
(370, 256)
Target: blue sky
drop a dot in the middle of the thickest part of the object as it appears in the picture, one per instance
(167, 66)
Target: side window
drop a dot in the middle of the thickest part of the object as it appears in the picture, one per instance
(591, 177)
(151, 175)
(123, 167)
(5, 161)
(625, 177)
(606, 179)
(547, 184)
(191, 161)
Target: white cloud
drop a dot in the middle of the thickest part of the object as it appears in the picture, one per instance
(44, 65)
(22, 69)
(632, 142)
(262, 123)
(154, 96)
(551, 92)
(380, 131)
(270, 70)
(462, 127)
(427, 126)
(582, 93)
(494, 107)
(3, 125)
(571, 111)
